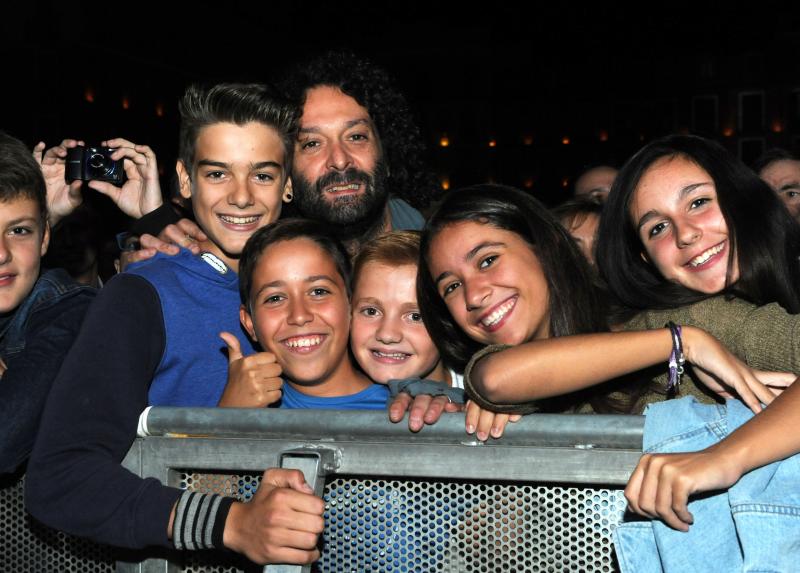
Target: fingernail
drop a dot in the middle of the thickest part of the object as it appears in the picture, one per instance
(307, 487)
(470, 428)
(496, 432)
(483, 436)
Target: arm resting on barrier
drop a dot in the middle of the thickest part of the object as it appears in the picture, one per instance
(508, 378)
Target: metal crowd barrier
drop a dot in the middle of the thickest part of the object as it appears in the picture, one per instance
(545, 497)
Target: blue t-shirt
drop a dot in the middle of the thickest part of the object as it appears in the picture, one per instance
(372, 398)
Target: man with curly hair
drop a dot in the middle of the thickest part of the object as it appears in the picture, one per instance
(358, 153)
(357, 159)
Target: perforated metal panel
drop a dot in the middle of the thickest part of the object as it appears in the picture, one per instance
(417, 526)
(26, 545)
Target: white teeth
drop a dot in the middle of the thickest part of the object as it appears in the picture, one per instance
(352, 186)
(705, 255)
(239, 220)
(394, 355)
(497, 315)
(303, 342)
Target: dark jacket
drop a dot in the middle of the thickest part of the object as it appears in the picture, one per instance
(33, 343)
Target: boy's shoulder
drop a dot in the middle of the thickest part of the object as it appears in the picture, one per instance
(165, 268)
(51, 288)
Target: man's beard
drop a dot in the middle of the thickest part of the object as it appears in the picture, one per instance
(354, 215)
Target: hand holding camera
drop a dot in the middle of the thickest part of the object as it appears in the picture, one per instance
(62, 197)
(120, 169)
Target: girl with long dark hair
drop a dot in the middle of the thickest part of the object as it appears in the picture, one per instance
(497, 269)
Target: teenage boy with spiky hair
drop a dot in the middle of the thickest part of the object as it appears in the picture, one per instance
(151, 338)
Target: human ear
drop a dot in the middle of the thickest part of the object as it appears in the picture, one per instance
(247, 322)
(288, 195)
(184, 180)
(45, 240)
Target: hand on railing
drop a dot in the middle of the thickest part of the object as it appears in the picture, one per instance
(281, 524)
(423, 409)
(484, 423)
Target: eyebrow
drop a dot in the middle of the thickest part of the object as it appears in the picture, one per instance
(19, 220)
(223, 165)
(471, 255)
(347, 125)
(681, 194)
(788, 186)
(280, 283)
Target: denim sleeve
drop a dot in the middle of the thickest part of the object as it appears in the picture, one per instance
(49, 334)
(75, 481)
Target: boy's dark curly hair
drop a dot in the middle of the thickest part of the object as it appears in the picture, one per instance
(373, 89)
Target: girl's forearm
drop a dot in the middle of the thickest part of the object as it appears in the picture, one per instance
(551, 367)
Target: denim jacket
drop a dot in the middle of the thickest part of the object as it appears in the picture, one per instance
(754, 526)
(33, 343)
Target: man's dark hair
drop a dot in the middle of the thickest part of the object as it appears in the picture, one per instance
(238, 104)
(372, 88)
(287, 230)
(771, 156)
(20, 175)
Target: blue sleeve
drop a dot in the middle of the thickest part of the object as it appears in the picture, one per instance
(49, 334)
(75, 482)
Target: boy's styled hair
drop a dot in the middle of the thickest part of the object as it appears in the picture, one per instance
(238, 104)
(287, 230)
(396, 248)
(20, 175)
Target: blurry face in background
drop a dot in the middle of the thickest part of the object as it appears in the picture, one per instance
(595, 183)
(784, 178)
(681, 226)
(583, 228)
(387, 336)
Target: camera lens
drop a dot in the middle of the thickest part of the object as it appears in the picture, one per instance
(97, 161)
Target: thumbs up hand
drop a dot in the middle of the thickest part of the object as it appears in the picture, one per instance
(253, 381)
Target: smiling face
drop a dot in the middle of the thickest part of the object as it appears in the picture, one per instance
(784, 178)
(337, 167)
(684, 234)
(22, 244)
(492, 283)
(388, 337)
(236, 184)
(300, 313)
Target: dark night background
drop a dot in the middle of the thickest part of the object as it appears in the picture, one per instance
(506, 87)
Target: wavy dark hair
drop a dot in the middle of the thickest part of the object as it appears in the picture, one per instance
(762, 233)
(575, 305)
(287, 230)
(372, 88)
